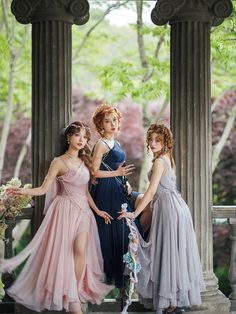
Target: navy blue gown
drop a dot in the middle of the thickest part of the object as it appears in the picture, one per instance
(108, 194)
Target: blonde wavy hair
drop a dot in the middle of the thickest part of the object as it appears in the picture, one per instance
(165, 136)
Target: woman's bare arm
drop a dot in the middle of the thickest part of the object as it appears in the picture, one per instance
(54, 169)
(99, 150)
(157, 171)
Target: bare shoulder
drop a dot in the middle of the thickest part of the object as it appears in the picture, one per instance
(159, 163)
(57, 161)
(100, 147)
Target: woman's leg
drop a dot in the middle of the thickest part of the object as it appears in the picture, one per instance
(80, 245)
(146, 216)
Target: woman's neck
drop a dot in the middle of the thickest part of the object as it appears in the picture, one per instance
(72, 152)
(108, 136)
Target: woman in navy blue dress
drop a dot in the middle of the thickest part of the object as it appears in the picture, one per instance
(108, 191)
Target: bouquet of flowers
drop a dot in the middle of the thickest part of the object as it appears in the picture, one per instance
(11, 204)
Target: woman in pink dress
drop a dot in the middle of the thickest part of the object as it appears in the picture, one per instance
(65, 265)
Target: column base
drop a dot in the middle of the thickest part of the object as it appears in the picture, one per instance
(217, 304)
(233, 306)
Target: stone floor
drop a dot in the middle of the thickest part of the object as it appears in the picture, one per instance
(107, 307)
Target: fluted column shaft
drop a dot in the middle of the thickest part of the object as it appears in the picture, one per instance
(51, 77)
(51, 96)
(191, 118)
(191, 125)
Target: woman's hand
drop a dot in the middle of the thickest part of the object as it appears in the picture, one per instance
(123, 171)
(124, 214)
(17, 191)
(105, 216)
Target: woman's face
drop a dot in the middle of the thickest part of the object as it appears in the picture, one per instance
(155, 143)
(110, 123)
(78, 140)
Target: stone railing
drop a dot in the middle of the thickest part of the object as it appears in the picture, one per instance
(7, 303)
(229, 213)
(226, 212)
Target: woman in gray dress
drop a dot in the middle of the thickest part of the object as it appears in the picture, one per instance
(171, 275)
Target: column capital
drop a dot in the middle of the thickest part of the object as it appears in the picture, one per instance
(70, 11)
(172, 11)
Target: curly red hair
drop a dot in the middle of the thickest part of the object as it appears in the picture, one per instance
(100, 113)
(165, 136)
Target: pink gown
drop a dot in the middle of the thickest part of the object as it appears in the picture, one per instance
(48, 279)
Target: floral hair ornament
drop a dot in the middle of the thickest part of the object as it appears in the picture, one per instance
(131, 258)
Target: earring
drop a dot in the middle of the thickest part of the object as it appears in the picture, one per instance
(68, 141)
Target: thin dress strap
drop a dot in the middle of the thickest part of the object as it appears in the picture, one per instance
(105, 143)
(64, 163)
(168, 166)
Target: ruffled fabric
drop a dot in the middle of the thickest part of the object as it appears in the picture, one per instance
(48, 279)
(171, 273)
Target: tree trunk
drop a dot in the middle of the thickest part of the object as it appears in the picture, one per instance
(8, 116)
(22, 155)
(217, 149)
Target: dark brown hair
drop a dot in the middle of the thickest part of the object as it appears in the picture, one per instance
(83, 153)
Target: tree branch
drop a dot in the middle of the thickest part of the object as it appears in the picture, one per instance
(217, 149)
(23, 42)
(163, 109)
(142, 55)
(4, 13)
(22, 154)
(144, 64)
(149, 74)
(7, 118)
(111, 8)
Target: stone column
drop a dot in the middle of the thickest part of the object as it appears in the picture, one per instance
(232, 268)
(190, 22)
(51, 77)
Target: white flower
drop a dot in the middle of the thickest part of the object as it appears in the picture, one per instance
(14, 182)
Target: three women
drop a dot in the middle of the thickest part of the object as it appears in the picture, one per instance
(67, 240)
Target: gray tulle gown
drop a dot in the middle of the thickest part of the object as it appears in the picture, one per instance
(171, 273)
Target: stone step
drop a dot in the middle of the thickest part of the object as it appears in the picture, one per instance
(107, 307)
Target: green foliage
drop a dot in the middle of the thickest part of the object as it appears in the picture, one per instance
(113, 52)
(19, 40)
(222, 275)
(4, 52)
(223, 55)
(110, 57)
